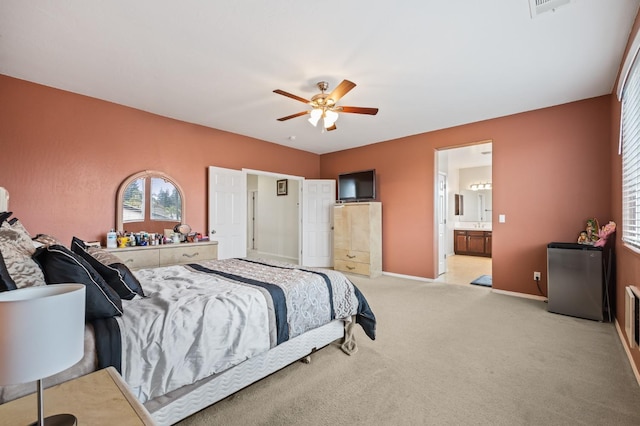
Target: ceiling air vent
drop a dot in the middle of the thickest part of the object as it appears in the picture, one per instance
(541, 6)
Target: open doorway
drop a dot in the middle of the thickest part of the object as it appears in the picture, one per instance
(273, 216)
(464, 214)
(300, 225)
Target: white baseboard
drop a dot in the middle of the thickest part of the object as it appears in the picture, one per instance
(505, 292)
(409, 277)
(623, 340)
(516, 294)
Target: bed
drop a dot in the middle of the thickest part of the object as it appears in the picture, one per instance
(186, 336)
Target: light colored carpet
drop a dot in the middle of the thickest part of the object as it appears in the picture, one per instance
(449, 355)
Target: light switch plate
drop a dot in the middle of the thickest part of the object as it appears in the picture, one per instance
(502, 218)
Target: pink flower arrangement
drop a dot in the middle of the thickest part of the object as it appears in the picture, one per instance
(604, 233)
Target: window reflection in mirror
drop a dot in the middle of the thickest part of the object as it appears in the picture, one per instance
(133, 202)
(149, 201)
(166, 202)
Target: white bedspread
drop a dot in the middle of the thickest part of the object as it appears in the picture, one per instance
(164, 345)
(195, 323)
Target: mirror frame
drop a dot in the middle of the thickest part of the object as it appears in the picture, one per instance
(144, 174)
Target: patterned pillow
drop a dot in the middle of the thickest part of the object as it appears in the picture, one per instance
(46, 240)
(18, 226)
(17, 248)
(103, 256)
(114, 272)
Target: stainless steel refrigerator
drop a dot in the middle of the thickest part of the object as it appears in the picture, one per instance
(575, 280)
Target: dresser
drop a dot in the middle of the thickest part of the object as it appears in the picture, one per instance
(166, 254)
(357, 238)
(99, 398)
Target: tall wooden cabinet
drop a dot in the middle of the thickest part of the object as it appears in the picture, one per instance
(357, 238)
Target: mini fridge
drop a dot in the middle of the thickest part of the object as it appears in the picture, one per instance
(575, 280)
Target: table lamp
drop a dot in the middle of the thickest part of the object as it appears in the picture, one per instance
(41, 334)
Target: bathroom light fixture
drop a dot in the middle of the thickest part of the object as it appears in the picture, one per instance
(480, 186)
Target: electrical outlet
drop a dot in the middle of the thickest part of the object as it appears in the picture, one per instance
(536, 276)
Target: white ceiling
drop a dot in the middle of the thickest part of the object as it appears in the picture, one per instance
(425, 64)
(478, 155)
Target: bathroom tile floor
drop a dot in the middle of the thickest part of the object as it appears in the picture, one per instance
(464, 269)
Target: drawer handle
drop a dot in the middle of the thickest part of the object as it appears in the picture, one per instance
(191, 255)
(351, 268)
(351, 256)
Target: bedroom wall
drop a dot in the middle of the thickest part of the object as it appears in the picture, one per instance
(550, 173)
(64, 156)
(69, 153)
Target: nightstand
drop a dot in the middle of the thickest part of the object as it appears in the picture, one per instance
(99, 398)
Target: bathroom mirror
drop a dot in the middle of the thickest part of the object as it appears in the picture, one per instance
(477, 206)
(149, 201)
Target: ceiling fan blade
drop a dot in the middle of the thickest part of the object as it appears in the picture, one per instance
(328, 129)
(341, 90)
(297, 114)
(289, 95)
(360, 110)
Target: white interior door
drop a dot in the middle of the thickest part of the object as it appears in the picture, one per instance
(228, 211)
(442, 223)
(318, 198)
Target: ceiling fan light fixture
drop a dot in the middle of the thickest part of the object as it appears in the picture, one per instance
(324, 105)
(315, 115)
(330, 117)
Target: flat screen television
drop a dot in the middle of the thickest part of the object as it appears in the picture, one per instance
(357, 186)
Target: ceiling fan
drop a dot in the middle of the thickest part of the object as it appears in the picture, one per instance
(323, 105)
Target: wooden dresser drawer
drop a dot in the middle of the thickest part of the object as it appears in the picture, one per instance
(137, 259)
(353, 267)
(188, 253)
(166, 254)
(351, 256)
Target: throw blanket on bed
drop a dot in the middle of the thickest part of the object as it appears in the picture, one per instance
(201, 319)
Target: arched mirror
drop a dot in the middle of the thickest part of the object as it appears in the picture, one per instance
(149, 201)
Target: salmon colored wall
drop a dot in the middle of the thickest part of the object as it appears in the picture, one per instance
(627, 260)
(63, 157)
(550, 173)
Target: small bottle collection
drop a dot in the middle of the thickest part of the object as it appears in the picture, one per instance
(132, 239)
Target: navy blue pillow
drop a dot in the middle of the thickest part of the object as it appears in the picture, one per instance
(117, 275)
(6, 282)
(60, 265)
(4, 216)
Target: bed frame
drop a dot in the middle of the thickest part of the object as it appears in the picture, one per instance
(181, 403)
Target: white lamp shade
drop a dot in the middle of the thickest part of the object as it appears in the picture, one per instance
(41, 331)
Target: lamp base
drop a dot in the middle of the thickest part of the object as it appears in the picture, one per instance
(59, 420)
